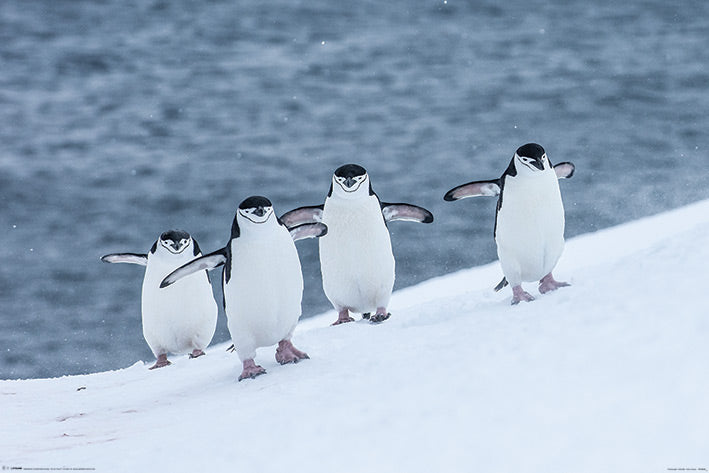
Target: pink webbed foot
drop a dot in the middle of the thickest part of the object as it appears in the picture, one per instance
(380, 316)
(287, 353)
(162, 361)
(548, 284)
(251, 370)
(196, 353)
(519, 295)
(343, 317)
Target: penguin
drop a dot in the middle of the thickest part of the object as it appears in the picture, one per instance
(529, 222)
(183, 318)
(262, 282)
(356, 259)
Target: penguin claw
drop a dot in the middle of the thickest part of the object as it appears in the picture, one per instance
(251, 370)
(251, 374)
(343, 321)
(378, 318)
(519, 295)
(161, 362)
(196, 353)
(548, 284)
(516, 301)
(287, 353)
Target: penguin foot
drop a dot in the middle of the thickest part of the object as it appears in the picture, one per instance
(287, 353)
(519, 295)
(343, 317)
(251, 370)
(196, 353)
(379, 317)
(162, 361)
(548, 284)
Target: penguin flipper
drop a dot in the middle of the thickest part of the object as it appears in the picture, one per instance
(406, 212)
(501, 284)
(210, 261)
(131, 258)
(308, 230)
(564, 170)
(301, 215)
(474, 189)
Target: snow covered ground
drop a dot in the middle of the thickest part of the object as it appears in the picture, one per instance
(607, 375)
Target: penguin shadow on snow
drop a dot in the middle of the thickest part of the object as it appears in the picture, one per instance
(529, 221)
(183, 318)
(262, 281)
(356, 259)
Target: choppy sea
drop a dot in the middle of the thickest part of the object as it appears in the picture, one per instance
(122, 119)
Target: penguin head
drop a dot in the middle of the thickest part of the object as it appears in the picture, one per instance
(175, 241)
(254, 210)
(350, 181)
(530, 159)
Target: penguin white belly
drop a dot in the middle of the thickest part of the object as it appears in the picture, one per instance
(179, 318)
(356, 258)
(263, 296)
(530, 227)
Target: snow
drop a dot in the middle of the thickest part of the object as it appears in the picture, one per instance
(607, 375)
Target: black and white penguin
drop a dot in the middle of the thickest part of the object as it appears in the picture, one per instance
(356, 258)
(529, 225)
(183, 318)
(262, 282)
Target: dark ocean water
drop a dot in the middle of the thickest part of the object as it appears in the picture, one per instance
(119, 120)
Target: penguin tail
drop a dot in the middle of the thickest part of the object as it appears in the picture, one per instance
(502, 284)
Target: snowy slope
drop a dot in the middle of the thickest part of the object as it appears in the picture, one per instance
(608, 375)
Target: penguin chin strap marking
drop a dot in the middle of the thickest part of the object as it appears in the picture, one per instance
(255, 221)
(175, 252)
(171, 250)
(534, 169)
(350, 190)
(354, 189)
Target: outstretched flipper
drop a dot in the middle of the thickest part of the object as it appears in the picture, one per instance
(210, 261)
(564, 170)
(308, 230)
(131, 258)
(302, 215)
(474, 189)
(406, 212)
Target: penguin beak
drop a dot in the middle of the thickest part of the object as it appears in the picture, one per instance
(538, 164)
(260, 211)
(349, 182)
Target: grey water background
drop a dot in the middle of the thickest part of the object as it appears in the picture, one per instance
(121, 119)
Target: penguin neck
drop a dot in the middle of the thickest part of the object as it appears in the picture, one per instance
(249, 230)
(162, 262)
(528, 175)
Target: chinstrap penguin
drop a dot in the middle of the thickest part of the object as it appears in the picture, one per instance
(529, 224)
(262, 282)
(183, 318)
(356, 258)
